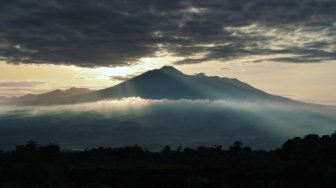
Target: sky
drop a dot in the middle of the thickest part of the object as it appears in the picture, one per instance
(284, 47)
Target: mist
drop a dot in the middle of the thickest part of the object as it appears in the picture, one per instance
(156, 123)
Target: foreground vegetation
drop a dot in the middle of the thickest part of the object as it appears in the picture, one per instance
(300, 162)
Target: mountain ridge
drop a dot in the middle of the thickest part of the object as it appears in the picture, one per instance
(54, 94)
(164, 83)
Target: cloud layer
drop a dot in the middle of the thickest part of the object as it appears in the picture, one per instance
(19, 84)
(94, 33)
(155, 123)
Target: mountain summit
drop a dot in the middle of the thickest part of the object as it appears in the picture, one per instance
(170, 69)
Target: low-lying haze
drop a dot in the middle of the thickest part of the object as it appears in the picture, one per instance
(155, 123)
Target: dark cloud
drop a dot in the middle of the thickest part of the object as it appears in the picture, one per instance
(19, 84)
(94, 33)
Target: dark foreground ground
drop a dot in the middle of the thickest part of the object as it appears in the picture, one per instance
(300, 162)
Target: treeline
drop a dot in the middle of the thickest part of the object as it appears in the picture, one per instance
(301, 162)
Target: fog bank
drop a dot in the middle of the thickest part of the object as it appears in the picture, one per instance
(155, 123)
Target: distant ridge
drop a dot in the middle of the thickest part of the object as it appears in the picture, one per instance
(3, 98)
(52, 96)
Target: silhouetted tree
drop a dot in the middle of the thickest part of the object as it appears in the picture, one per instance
(50, 148)
(236, 147)
(310, 160)
(166, 150)
(247, 149)
(30, 146)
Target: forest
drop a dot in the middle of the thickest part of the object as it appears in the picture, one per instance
(300, 162)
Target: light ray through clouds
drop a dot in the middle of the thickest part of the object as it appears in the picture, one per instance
(155, 123)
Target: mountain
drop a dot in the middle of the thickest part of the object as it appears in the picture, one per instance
(3, 99)
(52, 97)
(164, 83)
(156, 124)
(170, 83)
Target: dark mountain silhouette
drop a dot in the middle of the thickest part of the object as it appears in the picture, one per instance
(53, 96)
(164, 83)
(170, 83)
